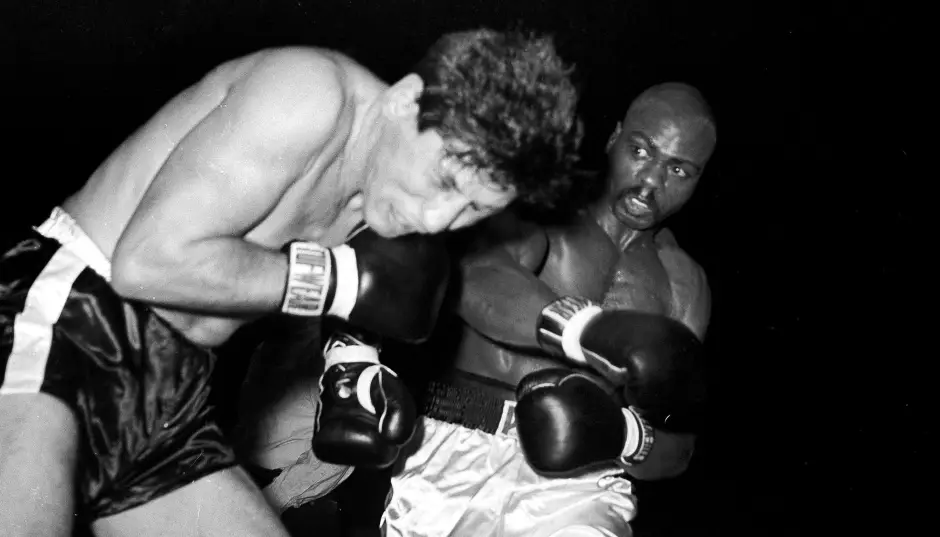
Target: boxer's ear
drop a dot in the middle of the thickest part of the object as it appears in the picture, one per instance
(613, 136)
(403, 96)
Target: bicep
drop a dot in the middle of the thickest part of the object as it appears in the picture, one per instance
(232, 168)
(501, 294)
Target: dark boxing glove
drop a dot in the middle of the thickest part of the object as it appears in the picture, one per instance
(569, 422)
(366, 414)
(390, 287)
(656, 360)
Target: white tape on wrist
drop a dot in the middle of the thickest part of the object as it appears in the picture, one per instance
(347, 282)
(308, 279)
(633, 434)
(639, 440)
(574, 328)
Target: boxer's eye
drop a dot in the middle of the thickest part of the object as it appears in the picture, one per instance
(639, 151)
(447, 183)
(679, 172)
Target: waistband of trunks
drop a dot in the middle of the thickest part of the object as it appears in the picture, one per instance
(471, 401)
(62, 227)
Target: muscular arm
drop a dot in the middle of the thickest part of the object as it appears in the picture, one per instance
(672, 452)
(502, 296)
(183, 247)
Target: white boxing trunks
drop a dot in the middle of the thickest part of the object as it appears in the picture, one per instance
(467, 479)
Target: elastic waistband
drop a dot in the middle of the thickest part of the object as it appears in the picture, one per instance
(466, 400)
(60, 226)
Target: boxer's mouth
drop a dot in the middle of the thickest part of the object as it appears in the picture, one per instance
(636, 206)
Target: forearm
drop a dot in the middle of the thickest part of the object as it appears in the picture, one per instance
(669, 457)
(222, 276)
(504, 304)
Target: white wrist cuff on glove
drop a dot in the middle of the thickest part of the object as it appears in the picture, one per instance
(574, 328)
(358, 354)
(308, 279)
(639, 440)
(347, 282)
(351, 354)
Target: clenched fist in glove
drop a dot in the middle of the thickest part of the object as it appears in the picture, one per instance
(390, 287)
(570, 421)
(366, 414)
(657, 361)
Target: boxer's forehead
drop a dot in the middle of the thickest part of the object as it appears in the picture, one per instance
(675, 134)
(475, 183)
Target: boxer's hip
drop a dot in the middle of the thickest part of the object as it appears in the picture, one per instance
(468, 476)
(139, 390)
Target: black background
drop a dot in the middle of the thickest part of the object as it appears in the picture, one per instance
(804, 220)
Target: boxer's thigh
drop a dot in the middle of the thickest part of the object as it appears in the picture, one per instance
(38, 450)
(598, 504)
(224, 504)
(278, 429)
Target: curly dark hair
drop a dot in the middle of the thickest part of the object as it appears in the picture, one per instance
(506, 104)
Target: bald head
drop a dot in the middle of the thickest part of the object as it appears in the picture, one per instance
(676, 99)
(658, 152)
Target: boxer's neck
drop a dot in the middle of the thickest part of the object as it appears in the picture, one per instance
(621, 234)
(363, 137)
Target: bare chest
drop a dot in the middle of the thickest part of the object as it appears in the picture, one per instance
(314, 209)
(589, 264)
(639, 281)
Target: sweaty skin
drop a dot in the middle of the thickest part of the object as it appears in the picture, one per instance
(614, 253)
(216, 191)
(192, 209)
(267, 148)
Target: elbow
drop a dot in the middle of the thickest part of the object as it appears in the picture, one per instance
(134, 274)
(127, 277)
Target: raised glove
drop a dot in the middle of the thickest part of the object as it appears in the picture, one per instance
(571, 421)
(390, 287)
(656, 360)
(366, 414)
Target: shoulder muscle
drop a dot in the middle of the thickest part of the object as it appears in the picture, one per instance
(691, 296)
(290, 98)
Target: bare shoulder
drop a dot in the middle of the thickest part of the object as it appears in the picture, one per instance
(286, 90)
(691, 294)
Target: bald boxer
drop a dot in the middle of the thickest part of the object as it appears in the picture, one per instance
(579, 356)
(243, 197)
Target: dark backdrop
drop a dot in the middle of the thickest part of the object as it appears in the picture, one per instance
(804, 220)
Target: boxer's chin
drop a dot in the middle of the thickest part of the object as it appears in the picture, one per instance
(635, 221)
(382, 222)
